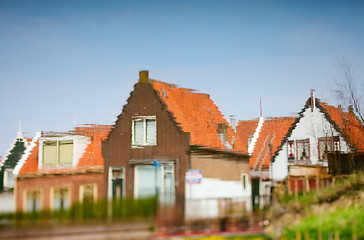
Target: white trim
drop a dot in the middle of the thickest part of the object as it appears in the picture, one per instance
(109, 187)
(143, 118)
(82, 189)
(80, 144)
(26, 154)
(51, 200)
(255, 136)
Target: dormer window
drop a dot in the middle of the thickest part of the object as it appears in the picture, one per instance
(144, 131)
(57, 153)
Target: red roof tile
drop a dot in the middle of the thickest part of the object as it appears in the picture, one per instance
(244, 131)
(195, 113)
(92, 155)
(348, 124)
(273, 132)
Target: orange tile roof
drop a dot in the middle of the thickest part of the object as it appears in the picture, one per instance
(195, 113)
(244, 131)
(348, 124)
(273, 131)
(31, 163)
(91, 157)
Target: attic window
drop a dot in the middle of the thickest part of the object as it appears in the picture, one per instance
(144, 131)
(57, 153)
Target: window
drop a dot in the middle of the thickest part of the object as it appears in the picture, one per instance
(60, 199)
(88, 193)
(303, 149)
(57, 153)
(32, 200)
(328, 144)
(150, 181)
(8, 178)
(144, 131)
(291, 150)
(116, 181)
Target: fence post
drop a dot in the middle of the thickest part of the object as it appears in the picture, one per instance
(337, 236)
(296, 188)
(298, 235)
(307, 236)
(319, 235)
(355, 236)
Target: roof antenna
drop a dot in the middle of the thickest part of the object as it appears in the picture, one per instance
(261, 111)
(20, 133)
(74, 120)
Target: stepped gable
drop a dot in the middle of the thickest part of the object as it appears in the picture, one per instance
(195, 113)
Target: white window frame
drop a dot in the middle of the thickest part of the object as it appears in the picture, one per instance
(6, 178)
(110, 178)
(57, 139)
(82, 190)
(53, 189)
(144, 119)
(163, 171)
(25, 198)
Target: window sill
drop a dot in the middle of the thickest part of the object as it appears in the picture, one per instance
(142, 145)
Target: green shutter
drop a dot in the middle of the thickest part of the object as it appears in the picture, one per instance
(65, 152)
(49, 154)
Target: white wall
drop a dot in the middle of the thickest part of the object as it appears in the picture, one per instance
(7, 202)
(202, 200)
(312, 125)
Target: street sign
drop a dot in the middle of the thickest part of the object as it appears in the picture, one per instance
(193, 176)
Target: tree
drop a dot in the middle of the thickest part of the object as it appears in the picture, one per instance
(347, 89)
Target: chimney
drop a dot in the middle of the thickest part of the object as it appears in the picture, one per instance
(313, 100)
(143, 76)
(351, 109)
(233, 122)
(222, 130)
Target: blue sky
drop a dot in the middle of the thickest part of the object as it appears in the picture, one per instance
(65, 59)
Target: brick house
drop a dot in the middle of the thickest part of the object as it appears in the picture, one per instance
(162, 132)
(60, 169)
